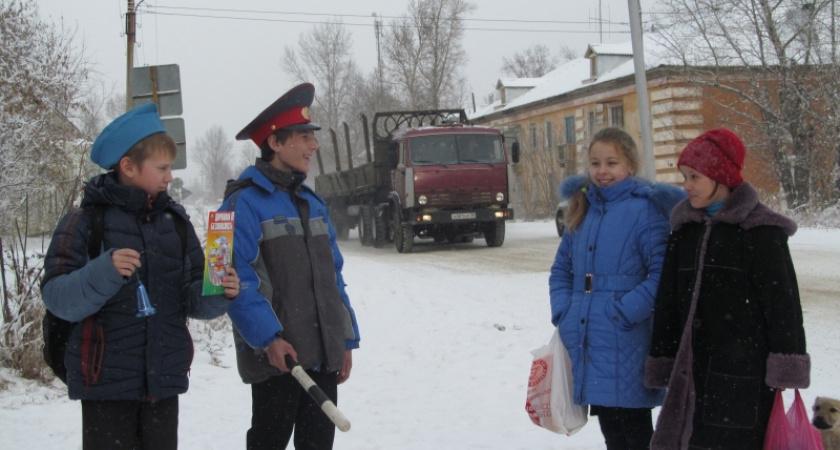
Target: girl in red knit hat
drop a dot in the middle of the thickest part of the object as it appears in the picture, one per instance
(727, 328)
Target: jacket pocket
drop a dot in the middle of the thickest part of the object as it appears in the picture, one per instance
(613, 315)
(731, 401)
(92, 350)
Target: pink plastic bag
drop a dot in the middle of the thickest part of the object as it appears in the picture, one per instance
(550, 401)
(791, 430)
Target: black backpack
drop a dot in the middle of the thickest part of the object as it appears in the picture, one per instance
(57, 330)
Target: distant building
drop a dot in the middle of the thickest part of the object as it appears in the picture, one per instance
(554, 117)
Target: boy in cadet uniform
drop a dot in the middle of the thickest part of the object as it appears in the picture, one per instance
(128, 368)
(293, 300)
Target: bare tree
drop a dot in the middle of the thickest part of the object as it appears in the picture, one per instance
(246, 154)
(424, 53)
(533, 62)
(780, 59)
(567, 53)
(325, 59)
(213, 155)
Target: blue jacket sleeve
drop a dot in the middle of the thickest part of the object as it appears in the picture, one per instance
(560, 282)
(75, 287)
(250, 311)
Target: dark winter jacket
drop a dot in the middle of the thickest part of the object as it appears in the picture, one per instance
(727, 327)
(602, 284)
(290, 266)
(111, 353)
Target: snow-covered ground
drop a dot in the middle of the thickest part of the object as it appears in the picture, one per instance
(445, 357)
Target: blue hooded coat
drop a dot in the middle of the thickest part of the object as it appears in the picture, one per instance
(603, 283)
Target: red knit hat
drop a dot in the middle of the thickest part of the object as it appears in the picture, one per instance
(717, 154)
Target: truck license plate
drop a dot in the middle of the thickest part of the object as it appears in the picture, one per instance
(463, 216)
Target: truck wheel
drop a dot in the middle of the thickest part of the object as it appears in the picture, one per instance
(494, 233)
(342, 230)
(365, 225)
(561, 224)
(396, 228)
(379, 225)
(405, 243)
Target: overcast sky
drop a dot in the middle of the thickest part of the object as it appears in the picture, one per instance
(230, 67)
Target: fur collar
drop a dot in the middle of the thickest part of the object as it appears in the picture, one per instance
(742, 207)
(662, 195)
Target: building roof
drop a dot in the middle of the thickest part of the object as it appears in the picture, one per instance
(576, 74)
(623, 49)
(518, 82)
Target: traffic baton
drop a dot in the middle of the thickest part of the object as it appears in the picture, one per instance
(318, 395)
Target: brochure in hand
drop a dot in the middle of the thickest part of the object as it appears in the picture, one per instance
(219, 251)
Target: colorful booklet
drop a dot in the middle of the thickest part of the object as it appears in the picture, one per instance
(219, 251)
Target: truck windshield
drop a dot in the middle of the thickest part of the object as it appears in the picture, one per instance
(456, 149)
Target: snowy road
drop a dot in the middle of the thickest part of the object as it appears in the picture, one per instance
(446, 339)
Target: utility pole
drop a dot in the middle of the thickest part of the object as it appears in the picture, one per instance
(377, 29)
(600, 25)
(645, 125)
(130, 27)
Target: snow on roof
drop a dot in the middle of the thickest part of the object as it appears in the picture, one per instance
(565, 78)
(625, 49)
(571, 75)
(518, 82)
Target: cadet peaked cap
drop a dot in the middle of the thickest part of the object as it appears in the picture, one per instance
(125, 131)
(290, 112)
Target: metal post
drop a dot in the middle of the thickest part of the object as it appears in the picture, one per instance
(645, 125)
(129, 34)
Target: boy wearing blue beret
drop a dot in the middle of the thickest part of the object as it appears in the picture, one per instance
(127, 361)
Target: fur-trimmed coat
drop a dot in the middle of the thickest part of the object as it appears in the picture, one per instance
(727, 325)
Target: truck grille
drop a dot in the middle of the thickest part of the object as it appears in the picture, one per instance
(459, 198)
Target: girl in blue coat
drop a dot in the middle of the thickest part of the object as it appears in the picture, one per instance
(603, 283)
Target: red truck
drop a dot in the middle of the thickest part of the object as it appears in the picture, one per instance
(432, 175)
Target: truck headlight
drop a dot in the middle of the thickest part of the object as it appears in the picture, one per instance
(422, 200)
(500, 197)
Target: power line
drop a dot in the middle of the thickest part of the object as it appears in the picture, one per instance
(155, 10)
(294, 13)
(316, 22)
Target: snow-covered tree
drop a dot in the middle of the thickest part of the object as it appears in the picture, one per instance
(42, 78)
(778, 60)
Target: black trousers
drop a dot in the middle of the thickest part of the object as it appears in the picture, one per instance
(625, 428)
(130, 425)
(279, 405)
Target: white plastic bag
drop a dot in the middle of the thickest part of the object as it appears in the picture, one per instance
(550, 402)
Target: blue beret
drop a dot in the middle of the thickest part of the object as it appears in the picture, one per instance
(125, 131)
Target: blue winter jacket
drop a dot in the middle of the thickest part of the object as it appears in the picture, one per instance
(287, 258)
(111, 353)
(603, 283)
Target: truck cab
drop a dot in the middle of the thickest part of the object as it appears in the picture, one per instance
(450, 184)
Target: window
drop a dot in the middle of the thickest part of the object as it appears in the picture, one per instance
(617, 116)
(533, 132)
(484, 148)
(570, 129)
(591, 120)
(548, 135)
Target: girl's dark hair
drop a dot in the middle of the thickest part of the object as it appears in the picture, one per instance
(578, 204)
(281, 136)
